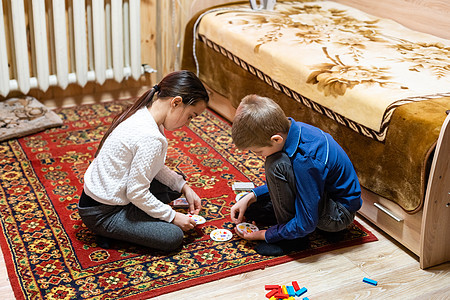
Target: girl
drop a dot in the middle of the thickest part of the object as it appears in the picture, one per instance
(127, 187)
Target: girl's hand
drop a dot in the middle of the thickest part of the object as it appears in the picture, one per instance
(195, 203)
(183, 221)
(254, 236)
(238, 209)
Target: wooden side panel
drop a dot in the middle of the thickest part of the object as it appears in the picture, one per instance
(435, 237)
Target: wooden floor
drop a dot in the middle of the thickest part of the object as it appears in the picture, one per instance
(332, 275)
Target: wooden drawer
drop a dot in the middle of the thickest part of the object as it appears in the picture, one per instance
(392, 219)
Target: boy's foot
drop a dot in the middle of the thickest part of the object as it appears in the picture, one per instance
(333, 237)
(266, 249)
(103, 242)
(283, 247)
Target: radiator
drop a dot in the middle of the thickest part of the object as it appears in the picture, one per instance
(47, 43)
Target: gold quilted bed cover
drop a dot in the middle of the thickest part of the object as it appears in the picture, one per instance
(337, 65)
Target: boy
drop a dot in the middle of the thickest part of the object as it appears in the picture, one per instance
(310, 181)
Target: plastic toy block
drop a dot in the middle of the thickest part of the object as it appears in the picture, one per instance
(306, 298)
(242, 186)
(295, 285)
(271, 293)
(273, 298)
(369, 281)
(271, 286)
(291, 298)
(290, 290)
(301, 291)
(283, 288)
(281, 296)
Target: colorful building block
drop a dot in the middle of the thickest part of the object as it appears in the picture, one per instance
(271, 293)
(281, 296)
(290, 290)
(369, 281)
(271, 286)
(295, 285)
(301, 291)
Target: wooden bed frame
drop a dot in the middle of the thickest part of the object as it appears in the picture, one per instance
(427, 232)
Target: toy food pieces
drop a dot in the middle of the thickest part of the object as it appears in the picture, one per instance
(198, 219)
(221, 235)
(246, 227)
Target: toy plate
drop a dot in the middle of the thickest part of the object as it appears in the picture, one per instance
(221, 235)
(246, 227)
(198, 219)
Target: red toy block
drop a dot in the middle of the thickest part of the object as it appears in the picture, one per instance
(295, 285)
(271, 286)
(271, 293)
(281, 296)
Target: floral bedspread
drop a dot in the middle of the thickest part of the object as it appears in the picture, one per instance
(340, 61)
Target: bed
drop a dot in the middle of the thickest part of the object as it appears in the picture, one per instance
(382, 90)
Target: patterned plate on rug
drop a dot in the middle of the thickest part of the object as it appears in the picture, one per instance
(246, 227)
(198, 219)
(221, 235)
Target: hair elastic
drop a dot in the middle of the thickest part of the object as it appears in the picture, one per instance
(156, 88)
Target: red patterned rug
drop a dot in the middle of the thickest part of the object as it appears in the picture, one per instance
(50, 254)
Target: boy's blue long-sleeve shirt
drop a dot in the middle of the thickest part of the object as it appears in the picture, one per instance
(319, 165)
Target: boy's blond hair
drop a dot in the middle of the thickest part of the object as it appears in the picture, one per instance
(257, 119)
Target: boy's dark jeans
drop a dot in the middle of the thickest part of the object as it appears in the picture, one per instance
(280, 207)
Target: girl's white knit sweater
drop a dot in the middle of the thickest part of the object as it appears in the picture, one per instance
(132, 155)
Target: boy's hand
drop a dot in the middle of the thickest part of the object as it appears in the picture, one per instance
(195, 203)
(183, 221)
(254, 236)
(238, 210)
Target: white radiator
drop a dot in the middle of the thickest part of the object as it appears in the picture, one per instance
(56, 42)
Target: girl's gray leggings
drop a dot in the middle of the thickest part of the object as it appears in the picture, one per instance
(131, 224)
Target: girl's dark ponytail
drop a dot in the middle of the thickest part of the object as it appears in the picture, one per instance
(180, 83)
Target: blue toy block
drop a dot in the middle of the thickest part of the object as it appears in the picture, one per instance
(290, 290)
(301, 291)
(369, 281)
(306, 298)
